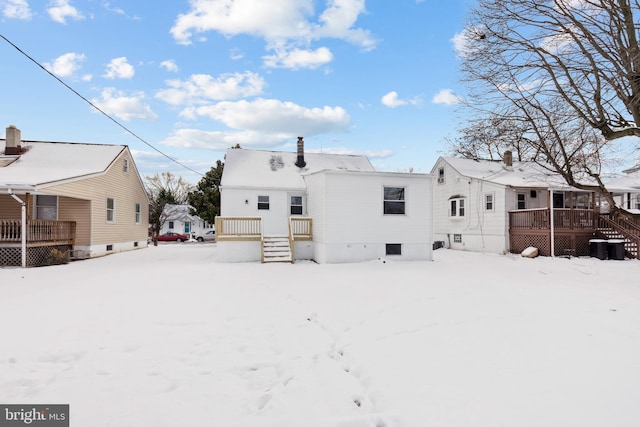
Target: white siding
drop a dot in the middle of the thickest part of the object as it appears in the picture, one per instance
(480, 230)
(243, 202)
(349, 223)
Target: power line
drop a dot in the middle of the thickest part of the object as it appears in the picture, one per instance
(129, 131)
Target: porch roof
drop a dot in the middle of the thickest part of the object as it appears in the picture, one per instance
(47, 163)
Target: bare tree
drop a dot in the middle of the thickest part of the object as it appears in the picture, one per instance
(165, 188)
(567, 70)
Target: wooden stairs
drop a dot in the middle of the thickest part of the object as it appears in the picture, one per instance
(630, 246)
(276, 249)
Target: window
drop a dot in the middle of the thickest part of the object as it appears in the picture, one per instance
(111, 209)
(457, 238)
(138, 213)
(522, 201)
(457, 207)
(170, 225)
(296, 205)
(125, 166)
(393, 249)
(394, 201)
(488, 202)
(263, 203)
(441, 175)
(47, 208)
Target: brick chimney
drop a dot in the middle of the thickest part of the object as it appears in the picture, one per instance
(508, 158)
(300, 162)
(13, 140)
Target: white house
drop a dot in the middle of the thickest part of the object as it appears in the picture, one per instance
(332, 208)
(626, 190)
(179, 219)
(501, 207)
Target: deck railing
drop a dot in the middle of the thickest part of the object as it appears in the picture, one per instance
(563, 219)
(38, 231)
(238, 228)
(301, 228)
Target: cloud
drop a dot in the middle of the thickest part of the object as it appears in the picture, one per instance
(263, 122)
(117, 103)
(169, 65)
(271, 116)
(203, 88)
(17, 9)
(65, 65)
(60, 10)
(391, 100)
(299, 58)
(446, 97)
(217, 140)
(119, 68)
(291, 23)
(371, 154)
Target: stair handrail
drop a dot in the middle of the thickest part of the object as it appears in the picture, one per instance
(261, 243)
(613, 224)
(291, 241)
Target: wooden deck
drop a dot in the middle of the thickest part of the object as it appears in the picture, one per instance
(571, 230)
(39, 233)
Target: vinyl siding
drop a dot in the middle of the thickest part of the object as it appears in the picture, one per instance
(124, 187)
(9, 208)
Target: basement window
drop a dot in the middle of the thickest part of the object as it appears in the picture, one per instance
(109, 248)
(393, 249)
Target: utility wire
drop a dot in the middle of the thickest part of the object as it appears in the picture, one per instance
(98, 109)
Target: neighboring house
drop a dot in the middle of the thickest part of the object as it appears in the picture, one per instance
(178, 219)
(626, 190)
(326, 207)
(87, 198)
(502, 207)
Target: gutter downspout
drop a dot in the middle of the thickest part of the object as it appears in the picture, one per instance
(552, 224)
(23, 227)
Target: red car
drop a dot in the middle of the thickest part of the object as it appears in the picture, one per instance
(170, 236)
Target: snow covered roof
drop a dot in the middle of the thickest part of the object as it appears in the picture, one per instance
(47, 163)
(277, 169)
(628, 183)
(179, 212)
(521, 174)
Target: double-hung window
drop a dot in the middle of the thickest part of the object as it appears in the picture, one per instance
(456, 207)
(394, 201)
(138, 213)
(111, 209)
(296, 205)
(488, 202)
(263, 203)
(47, 207)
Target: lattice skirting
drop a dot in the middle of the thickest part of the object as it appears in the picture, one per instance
(574, 244)
(12, 257)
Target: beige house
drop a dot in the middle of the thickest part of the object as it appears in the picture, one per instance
(87, 199)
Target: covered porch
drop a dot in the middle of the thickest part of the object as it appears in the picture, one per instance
(564, 231)
(41, 238)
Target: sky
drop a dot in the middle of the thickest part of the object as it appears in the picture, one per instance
(191, 78)
(504, 341)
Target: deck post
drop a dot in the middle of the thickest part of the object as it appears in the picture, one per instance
(552, 225)
(23, 227)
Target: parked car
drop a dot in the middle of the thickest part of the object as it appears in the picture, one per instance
(209, 236)
(170, 236)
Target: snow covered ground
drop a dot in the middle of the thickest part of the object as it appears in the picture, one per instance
(166, 336)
